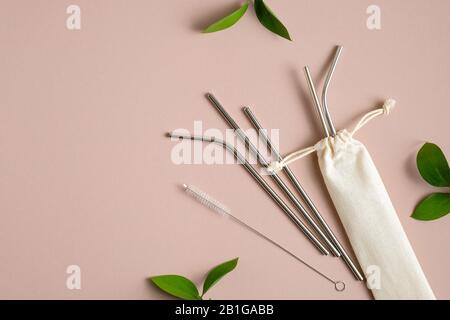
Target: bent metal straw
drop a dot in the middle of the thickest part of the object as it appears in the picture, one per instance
(267, 188)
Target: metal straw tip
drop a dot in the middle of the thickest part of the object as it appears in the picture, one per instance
(185, 186)
(246, 109)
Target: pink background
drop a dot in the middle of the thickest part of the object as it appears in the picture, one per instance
(85, 170)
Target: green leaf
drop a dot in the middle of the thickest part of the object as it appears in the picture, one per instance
(269, 20)
(177, 286)
(433, 166)
(435, 206)
(227, 21)
(215, 274)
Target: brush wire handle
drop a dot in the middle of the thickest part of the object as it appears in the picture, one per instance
(220, 208)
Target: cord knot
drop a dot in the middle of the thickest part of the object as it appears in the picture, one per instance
(274, 167)
(388, 105)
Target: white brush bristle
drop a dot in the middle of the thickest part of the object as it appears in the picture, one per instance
(206, 200)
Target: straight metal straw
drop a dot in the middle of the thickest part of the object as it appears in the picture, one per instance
(263, 134)
(267, 188)
(241, 135)
(325, 89)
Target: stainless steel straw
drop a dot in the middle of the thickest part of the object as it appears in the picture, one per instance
(325, 89)
(322, 110)
(278, 200)
(218, 207)
(316, 101)
(298, 205)
(263, 134)
(327, 125)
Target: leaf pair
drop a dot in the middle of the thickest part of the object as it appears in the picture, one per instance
(264, 14)
(183, 288)
(434, 169)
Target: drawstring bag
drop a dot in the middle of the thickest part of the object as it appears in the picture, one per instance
(366, 211)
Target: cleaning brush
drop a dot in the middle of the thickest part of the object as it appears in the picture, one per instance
(206, 200)
(220, 208)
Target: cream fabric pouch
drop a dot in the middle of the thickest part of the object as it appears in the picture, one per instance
(366, 211)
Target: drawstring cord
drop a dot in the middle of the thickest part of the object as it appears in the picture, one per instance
(386, 109)
(276, 166)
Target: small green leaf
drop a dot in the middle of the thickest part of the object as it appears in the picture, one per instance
(228, 21)
(269, 20)
(177, 286)
(215, 274)
(433, 166)
(435, 206)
